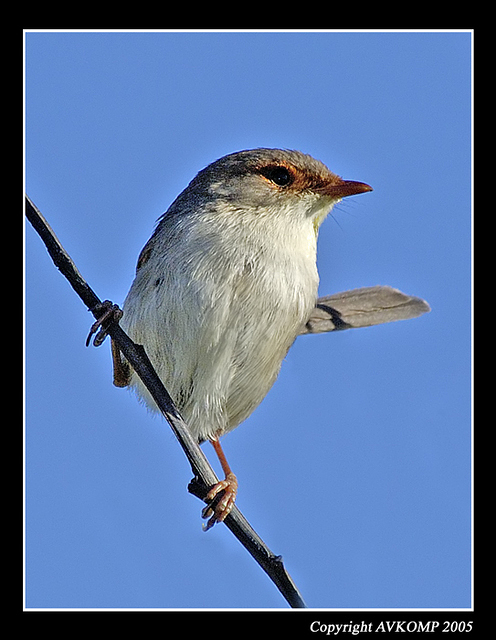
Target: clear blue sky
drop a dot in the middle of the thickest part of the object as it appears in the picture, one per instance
(356, 468)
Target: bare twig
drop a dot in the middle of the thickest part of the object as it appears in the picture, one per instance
(204, 476)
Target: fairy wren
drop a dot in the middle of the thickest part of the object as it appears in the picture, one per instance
(225, 284)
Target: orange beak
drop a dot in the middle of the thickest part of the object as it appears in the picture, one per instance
(343, 188)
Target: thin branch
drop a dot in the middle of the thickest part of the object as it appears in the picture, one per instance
(204, 476)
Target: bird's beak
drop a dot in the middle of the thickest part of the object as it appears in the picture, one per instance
(342, 188)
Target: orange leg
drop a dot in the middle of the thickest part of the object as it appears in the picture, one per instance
(230, 487)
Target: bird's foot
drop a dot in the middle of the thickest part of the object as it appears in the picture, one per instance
(220, 506)
(110, 312)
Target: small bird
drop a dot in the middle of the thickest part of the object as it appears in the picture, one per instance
(223, 287)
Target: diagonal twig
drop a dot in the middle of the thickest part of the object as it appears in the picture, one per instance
(204, 476)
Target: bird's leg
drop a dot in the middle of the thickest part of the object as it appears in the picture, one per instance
(122, 369)
(229, 486)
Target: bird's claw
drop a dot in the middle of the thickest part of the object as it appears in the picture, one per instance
(110, 312)
(218, 512)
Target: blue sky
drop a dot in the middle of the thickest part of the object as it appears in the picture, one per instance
(356, 468)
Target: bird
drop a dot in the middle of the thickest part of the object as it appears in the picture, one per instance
(224, 285)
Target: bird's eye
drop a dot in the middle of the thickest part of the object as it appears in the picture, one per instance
(281, 176)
